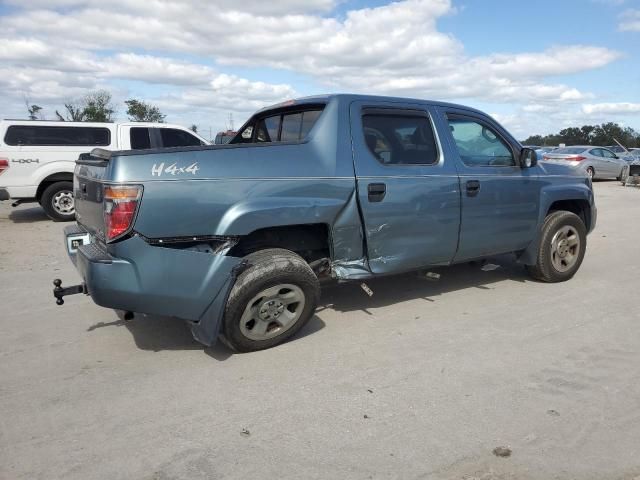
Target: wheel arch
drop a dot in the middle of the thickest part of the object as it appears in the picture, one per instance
(50, 180)
(580, 207)
(309, 240)
(577, 199)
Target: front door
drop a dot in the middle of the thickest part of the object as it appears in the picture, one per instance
(408, 190)
(499, 197)
(614, 166)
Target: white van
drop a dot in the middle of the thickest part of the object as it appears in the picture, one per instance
(37, 158)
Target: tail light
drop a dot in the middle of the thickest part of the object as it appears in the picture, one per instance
(4, 164)
(575, 158)
(120, 206)
(545, 157)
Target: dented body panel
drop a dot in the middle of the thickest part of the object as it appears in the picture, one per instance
(199, 202)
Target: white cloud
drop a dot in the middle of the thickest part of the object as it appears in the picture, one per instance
(152, 69)
(391, 49)
(629, 21)
(196, 6)
(56, 48)
(621, 108)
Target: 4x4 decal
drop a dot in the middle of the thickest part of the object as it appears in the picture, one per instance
(25, 160)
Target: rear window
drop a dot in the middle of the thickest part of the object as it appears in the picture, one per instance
(570, 150)
(283, 127)
(172, 137)
(139, 138)
(39, 135)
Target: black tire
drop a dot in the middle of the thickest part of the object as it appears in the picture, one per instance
(268, 268)
(545, 268)
(52, 204)
(591, 172)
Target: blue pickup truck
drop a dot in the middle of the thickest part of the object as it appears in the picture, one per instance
(234, 238)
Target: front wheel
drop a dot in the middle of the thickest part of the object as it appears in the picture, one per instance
(271, 300)
(562, 247)
(57, 202)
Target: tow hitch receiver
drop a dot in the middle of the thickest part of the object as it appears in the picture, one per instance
(60, 291)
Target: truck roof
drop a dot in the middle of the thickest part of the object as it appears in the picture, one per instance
(349, 97)
(58, 123)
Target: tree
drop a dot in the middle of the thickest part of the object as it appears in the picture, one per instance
(194, 128)
(34, 111)
(75, 112)
(93, 107)
(573, 136)
(98, 107)
(139, 111)
(602, 135)
(533, 140)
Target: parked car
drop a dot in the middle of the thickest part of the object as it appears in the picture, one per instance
(37, 158)
(596, 162)
(224, 137)
(626, 154)
(634, 153)
(234, 238)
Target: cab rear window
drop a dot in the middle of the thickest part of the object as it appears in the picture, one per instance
(570, 150)
(287, 126)
(53, 136)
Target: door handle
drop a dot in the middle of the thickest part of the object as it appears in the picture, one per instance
(473, 187)
(376, 191)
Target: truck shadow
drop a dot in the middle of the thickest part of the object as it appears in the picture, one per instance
(28, 215)
(391, 289)
(156, 333)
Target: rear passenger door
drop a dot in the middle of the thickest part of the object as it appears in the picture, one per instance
(499, 198)
(407, 189)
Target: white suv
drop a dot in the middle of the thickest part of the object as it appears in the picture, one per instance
(37, 158)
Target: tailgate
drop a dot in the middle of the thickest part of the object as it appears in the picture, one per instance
(90, 172)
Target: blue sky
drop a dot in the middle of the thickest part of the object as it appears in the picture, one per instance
(537, 66)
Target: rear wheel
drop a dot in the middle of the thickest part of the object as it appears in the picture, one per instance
(270, 301)
(590, 172)
(562, 246)
(57, 201)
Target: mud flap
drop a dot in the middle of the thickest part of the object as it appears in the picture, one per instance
(206, 329)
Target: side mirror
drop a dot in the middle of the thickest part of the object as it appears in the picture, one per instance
(528, 158)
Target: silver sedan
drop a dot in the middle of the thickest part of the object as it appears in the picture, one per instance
(596, 162)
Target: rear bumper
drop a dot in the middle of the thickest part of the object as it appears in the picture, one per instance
(8, 193)
(135, 276)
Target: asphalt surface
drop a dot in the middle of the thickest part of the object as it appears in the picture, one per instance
(421, 381)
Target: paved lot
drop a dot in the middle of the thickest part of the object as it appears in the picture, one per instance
(421, 381)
